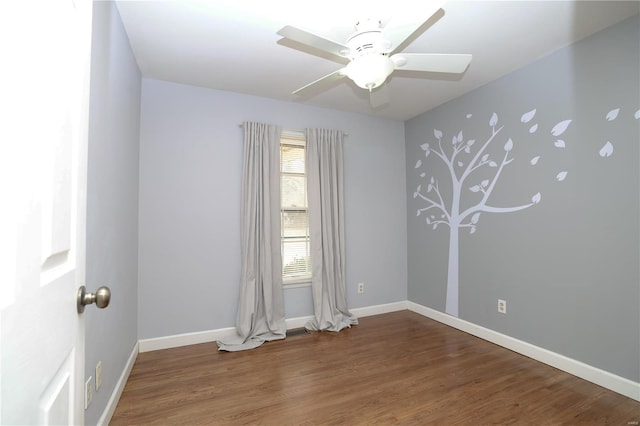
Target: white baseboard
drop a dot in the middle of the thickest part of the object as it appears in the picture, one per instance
(117, 392)
(592, 374)
(177, 340)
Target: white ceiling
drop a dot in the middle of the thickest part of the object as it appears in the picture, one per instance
(232, 45)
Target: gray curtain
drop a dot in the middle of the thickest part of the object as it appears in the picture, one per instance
(260, 315)
(326, 227)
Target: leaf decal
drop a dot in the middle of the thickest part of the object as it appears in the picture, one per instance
(534, 160)
(460, 136)
(472, 230)
(559, 143)
(460, 164)
(536, 198)
(418, 164)
(418, 188)
(425, 147)
(432, 180)
(606, 150)
(494, 120)
(493, 164)
(485, 157)
(469, 115)
(613, 114)
(533, 128)
(509, 145)
(528, 116)
(437, 133)
(475, 218)
(467, 150)
(418, 213)
(435, 225)
(429, 188)
(423, 174)
(484, 183)
(415, 195)
(560, 128)
(428, 221)
(637, 115)
(475, 188)
(561, 176)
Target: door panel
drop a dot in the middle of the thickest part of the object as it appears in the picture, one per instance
(46, 103)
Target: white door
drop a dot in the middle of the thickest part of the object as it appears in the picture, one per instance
(44, 98)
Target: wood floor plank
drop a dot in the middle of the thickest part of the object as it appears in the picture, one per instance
(397, 368)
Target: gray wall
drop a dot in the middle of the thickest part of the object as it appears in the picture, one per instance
(568, 265)
(190, 185)
(112, 205)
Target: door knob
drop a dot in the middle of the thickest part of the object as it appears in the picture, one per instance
(101, 298)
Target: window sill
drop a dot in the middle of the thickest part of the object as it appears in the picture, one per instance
(305, 282)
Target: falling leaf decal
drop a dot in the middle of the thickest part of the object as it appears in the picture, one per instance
(428, 221)
(533, 128)
(509, 145)
(494, 120)
(561, 176)
(437, 133)
(460, 136)
(425, 147)
(536, 198)
(528, 116)
(435, 225)
(415, 195)
(560, 128)
(423, 174)
(418, 188)
(534, 160)
(613, 114)
(637, 115)
(475, 218)
(475, 188)
(469, 115)
(460, 164)
(606, 150)
(472, 230)
(418, 213)
(470, 142)
(559, 143)
(418, 164)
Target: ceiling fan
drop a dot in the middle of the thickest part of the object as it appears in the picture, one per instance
(372, 52)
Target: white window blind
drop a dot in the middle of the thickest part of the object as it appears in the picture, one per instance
(294, 213)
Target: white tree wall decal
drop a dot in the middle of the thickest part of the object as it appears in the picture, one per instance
(444, 211)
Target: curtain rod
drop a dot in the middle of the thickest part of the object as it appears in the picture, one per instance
(298, 130)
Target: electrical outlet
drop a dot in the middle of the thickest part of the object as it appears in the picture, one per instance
(98, 375)
(88, 392)
(502, 306)
(360, 288)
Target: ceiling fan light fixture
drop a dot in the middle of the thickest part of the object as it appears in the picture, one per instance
(370, 71)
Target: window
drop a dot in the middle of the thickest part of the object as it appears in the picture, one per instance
(294, 212)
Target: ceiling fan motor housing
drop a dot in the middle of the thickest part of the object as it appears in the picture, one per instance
(370, 65)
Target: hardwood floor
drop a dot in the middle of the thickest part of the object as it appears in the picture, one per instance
(396, 368)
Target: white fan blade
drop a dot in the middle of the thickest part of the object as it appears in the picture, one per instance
(432, 62)
(329, 78)
(379, 96)
(401, 27)
(313, 40)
